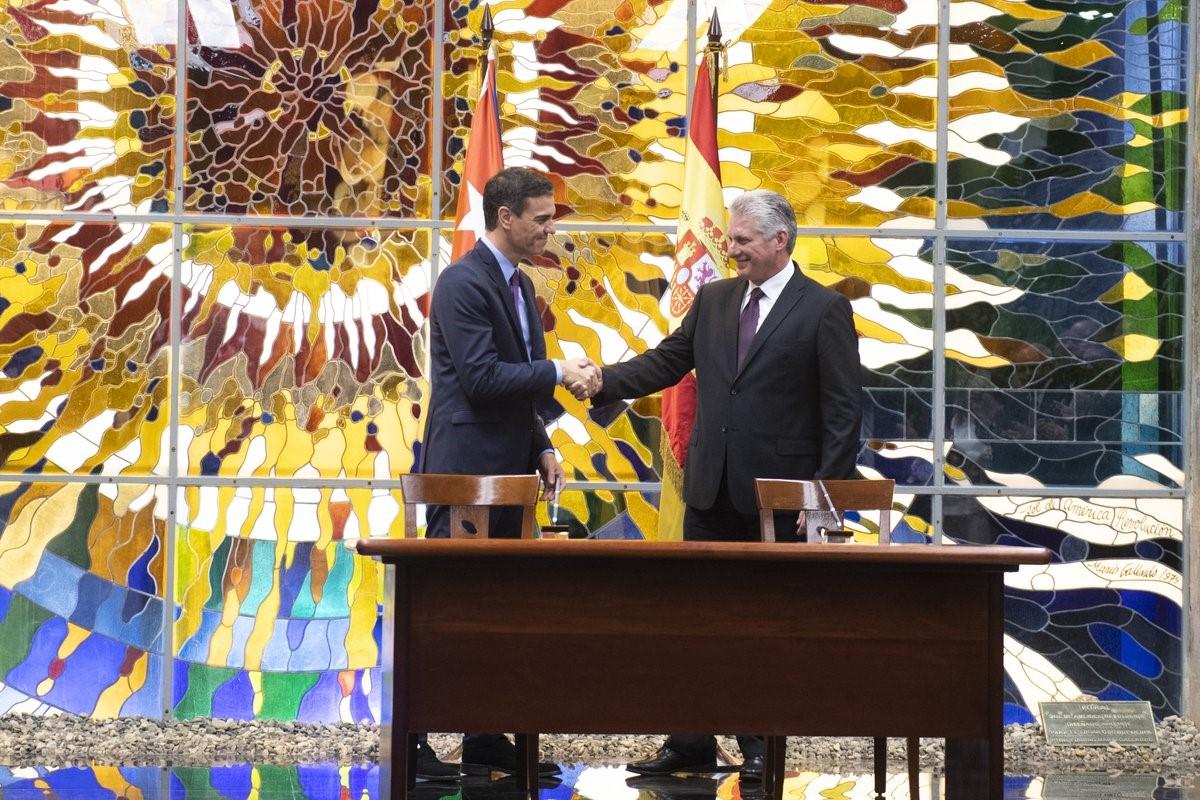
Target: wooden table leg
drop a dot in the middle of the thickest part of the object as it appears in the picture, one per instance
(774, 762)
(527, 762)
(879, 746)
(912, 755)
(401, 743)
(969, 775)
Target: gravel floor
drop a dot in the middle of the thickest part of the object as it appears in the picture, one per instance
(52, 741)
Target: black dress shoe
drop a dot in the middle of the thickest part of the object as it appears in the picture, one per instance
(432, 768)
(666, 761)
(498, 758)
(751, 770)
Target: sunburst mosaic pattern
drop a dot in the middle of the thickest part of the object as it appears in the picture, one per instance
(85, 344)
(301, 353)
(312, 107)
(87, 105)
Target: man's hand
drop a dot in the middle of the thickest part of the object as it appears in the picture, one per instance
(582, 377)
(552, 475)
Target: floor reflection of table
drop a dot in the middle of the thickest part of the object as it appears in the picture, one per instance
(671, 637)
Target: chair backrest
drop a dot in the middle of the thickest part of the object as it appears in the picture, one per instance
(852, 495)
(470, 497)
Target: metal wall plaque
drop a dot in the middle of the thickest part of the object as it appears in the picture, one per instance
(1098, 722)
(1099, 786)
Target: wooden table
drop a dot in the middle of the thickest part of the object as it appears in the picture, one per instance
(566, 636)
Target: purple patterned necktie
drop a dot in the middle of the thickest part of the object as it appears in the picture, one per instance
(748, 325)
(514, 283)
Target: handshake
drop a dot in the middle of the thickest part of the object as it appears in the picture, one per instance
(582, 377)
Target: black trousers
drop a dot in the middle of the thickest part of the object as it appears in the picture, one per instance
(724, 523)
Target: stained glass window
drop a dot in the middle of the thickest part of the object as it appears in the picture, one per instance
(87, 104)
(311, 108)
(81, 594)
(1069, 370)
(1105, 617)
(276, 614)
(224, 363)
(1072, 116)
(582, 97)
(84, 337)
(832, 106)
(302, 351)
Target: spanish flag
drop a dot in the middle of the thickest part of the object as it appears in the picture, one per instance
(699, 258)
(482, 161)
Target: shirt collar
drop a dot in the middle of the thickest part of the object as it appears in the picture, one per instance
(773, 285)
(507, 268)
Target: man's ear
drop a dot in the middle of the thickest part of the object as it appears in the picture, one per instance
(504, 217)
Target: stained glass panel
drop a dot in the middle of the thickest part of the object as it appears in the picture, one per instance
(302, 351)
(600, 295)
(84, 347)
(87, 106)
(833, 106)
(1105, 618)
(277, 615)
(1065, 366)
(312, 108)
(581, 96)
(1068, 115)
(890, 286)
(81, 581)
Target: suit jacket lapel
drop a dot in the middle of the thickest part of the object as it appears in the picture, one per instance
(731, 316)
(783, 305)
(491, 268)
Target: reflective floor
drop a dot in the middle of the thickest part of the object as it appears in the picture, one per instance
(349, 782)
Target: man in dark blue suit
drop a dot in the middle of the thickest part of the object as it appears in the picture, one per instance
(489, 377)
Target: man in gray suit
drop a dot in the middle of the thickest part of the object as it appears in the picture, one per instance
(778, 395)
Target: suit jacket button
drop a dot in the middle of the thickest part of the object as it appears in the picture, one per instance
(723, 429)
(733, 391)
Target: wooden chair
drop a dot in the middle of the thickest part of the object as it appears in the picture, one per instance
(470, 498)
(852, 495)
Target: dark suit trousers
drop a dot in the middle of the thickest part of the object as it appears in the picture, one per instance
(724, 523)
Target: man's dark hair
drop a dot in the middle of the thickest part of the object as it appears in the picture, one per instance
(511, 188)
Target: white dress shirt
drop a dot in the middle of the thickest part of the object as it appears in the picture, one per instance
(772, 287)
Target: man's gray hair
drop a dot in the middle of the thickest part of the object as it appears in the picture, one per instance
(769, 211)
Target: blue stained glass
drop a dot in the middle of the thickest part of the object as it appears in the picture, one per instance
(234, 699)
(42, 650)
(323, 697)
(1154, 608)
